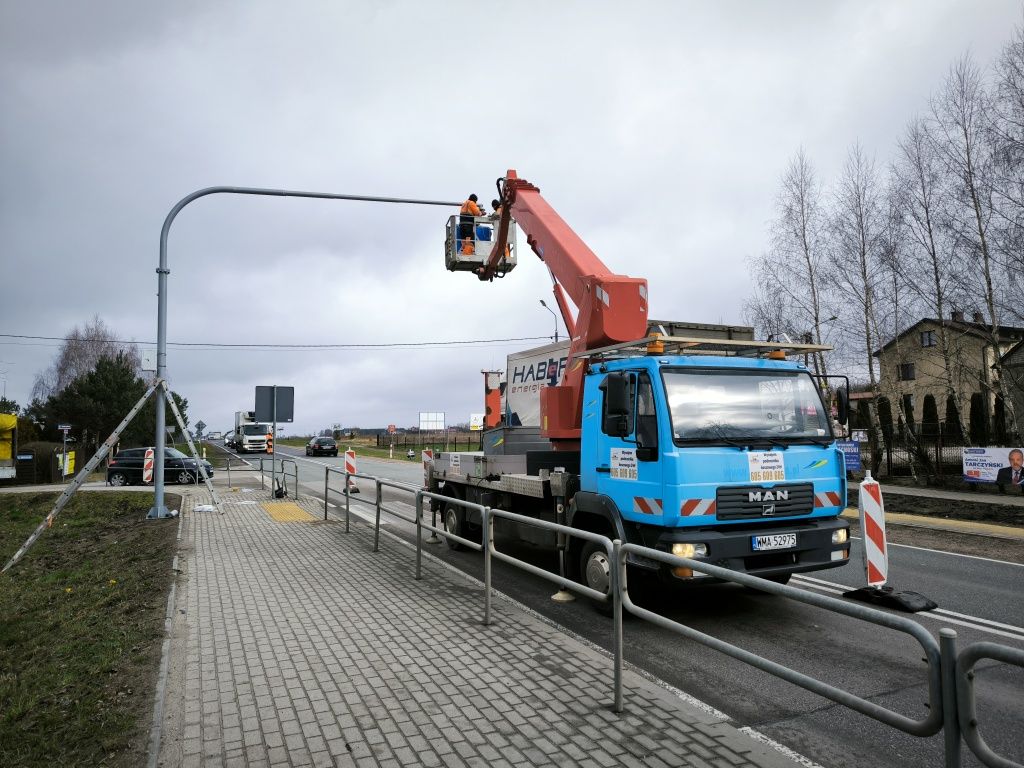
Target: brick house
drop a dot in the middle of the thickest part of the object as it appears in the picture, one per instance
(912, 367)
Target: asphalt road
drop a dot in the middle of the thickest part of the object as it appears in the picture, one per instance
(980, 598)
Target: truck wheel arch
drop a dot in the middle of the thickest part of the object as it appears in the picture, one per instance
(595, 513)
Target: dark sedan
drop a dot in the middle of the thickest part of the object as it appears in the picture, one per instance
(127, 465)
(322, 446)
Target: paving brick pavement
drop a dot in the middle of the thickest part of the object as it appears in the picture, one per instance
(293, 644)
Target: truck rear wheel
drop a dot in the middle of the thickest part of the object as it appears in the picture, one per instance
(596, 572)
(455, 524)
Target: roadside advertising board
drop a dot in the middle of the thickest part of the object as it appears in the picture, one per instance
(851, 452)
(993, 465)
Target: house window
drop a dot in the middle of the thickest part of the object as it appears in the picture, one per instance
(906, 371)
(928, 338)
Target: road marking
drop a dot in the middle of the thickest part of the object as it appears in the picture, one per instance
(957, 554)
(939, 614)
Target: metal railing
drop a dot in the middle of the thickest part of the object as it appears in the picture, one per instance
(951, 703)
(965, 703)
(285, 475)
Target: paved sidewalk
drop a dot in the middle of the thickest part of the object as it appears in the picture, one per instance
(293, 644)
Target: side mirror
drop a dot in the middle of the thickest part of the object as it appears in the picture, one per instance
(617, 404)
(842, 405)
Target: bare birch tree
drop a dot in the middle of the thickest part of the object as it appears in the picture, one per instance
(932, 269)
(961, 125)
(81, 349)
(856, 227)
(791, 294)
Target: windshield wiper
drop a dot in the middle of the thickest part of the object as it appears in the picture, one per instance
(767, 442)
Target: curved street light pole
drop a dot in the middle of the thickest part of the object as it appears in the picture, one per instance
(549, 309)
(159, 509)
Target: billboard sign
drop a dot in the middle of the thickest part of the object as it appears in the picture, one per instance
(431, 421)
(476, 422)
(1004, 466)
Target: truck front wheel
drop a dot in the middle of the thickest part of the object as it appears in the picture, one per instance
(596, 570)
(455, 524)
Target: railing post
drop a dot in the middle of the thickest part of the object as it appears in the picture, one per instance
(488, 540)
(327, 475)
(419, 533)
(618, 585)
(348, 514)
(262, 485)
(950, 718)
(376, 527)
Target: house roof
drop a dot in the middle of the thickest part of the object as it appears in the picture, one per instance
(1007, 333)
(1016, 349)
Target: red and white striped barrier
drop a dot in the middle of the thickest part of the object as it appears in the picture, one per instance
(428, 458)
(876, 556)
(350, 467)
(147, 466)
(872, 525)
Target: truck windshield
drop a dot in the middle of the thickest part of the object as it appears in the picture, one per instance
(729, 406)
(255, 429)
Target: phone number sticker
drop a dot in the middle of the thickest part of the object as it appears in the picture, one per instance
(766, 467)
(623, 464)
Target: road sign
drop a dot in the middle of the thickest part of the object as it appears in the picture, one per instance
(65, 428)
(200, 426)
(392, 429)
(267, 410)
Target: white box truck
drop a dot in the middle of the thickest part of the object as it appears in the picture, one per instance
(249, 436)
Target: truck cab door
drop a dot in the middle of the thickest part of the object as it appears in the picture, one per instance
(628, 461)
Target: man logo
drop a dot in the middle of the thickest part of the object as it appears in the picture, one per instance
(767, 510)
(770, 495)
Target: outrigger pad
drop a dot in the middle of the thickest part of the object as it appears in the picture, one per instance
(887, 597)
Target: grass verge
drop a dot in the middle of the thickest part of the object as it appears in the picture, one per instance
(81, 626)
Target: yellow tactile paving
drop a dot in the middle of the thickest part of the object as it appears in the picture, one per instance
(286, 512)
(945, 524)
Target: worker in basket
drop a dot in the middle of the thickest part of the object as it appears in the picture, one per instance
(466, 213)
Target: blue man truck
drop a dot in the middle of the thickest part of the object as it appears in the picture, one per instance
(713, 448)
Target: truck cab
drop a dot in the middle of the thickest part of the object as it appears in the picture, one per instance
(729, 459)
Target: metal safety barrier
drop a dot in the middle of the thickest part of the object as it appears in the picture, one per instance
(965, 703)
(950, 678)
(294, 474)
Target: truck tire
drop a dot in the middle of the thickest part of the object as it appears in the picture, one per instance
(454, 523)
(595, 572)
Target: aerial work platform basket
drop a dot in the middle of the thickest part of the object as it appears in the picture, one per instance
(468, 248)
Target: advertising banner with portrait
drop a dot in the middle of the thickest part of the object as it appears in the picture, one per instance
(1004, 466)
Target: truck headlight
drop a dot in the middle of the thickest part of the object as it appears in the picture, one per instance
(686, 549)
(840, 536)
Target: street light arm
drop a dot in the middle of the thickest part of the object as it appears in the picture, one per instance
(159, 510)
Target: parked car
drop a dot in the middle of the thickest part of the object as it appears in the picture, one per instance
(126, 467)
(322, 446)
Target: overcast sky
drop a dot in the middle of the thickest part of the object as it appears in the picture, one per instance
(658, 130)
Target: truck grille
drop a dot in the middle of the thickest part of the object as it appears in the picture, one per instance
(754, 502)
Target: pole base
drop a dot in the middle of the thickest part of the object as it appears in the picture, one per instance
(887, 597)
(433, 538)
(161, 513)
(563, 596)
